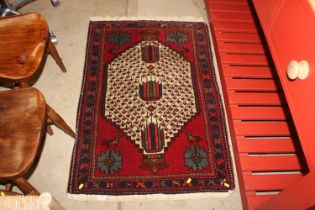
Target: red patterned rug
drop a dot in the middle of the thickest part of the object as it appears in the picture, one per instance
(150, 118)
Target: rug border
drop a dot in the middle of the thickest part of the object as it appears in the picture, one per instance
(227, 137)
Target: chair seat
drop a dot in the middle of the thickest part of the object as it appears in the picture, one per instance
(23, 41)
(22, 122)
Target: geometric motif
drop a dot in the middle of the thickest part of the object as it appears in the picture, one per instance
(177, 37)
(109, 162)
(119, 38)
(196, 158)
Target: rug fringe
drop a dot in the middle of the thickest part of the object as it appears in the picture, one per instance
(113, 198)
(159, 18)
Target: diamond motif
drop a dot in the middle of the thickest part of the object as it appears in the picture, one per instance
(150, 67)
(151, 108)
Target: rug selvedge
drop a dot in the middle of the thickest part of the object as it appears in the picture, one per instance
(150, 117)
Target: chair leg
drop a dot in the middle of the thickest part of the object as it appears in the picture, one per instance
(55, 118)
(48, 126)
(8, 187)
(54, 53)
(25, 186)
(55, 3)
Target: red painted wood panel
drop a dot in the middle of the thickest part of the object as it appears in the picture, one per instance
(241, 48)
(270, 182)
(237, 59)
(268, 10)
(300, 195)
(232, 16)
(270, 163)
(234, 25)
(238, 37)
(255, 201)
(247, 71)
(223, 6)
(250, 84)
(245, 98)
(257, 113)
(267, 145)
(298, 46)
(293, 41)
(260, 128)
(229, 26)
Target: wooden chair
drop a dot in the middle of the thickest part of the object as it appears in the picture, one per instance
(24, 115)
(24, 42)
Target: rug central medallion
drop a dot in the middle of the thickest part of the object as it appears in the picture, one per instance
(150, 96)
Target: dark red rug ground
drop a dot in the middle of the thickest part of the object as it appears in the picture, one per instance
(150, 119)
